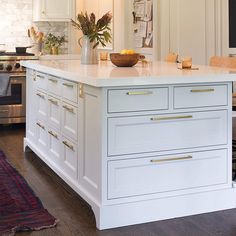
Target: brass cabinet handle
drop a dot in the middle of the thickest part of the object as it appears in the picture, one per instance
(140, 93)
(40, 95)
(70, 109)
(170, 118)
(40, 76)
(53, 80)
(171, 159)
(41, 126)
(68, 145)
(68, 85)
(81, 90)
(53, 134)
(202, 90)
(53, 101)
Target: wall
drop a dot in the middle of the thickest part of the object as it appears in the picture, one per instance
(16, 18)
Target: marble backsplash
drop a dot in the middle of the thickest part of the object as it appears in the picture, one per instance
(16, 18)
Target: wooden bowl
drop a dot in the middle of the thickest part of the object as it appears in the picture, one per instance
(124, 60)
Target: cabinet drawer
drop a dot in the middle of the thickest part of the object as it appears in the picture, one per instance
(69, 158)
(42, 136)
(41, 105)
(200, 96)
(139, 134)
(69, 121)
(41, 80)
(54, 146)
(70, 91)
(134, 177)
(54, 114)
(127, 100)
(54, 85)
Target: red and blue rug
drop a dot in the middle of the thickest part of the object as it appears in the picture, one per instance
(20, 208)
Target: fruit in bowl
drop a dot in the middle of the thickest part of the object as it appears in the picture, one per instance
(126, 58)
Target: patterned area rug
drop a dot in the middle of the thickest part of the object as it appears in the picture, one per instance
(20, 209)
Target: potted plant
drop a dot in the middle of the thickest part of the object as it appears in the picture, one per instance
(94, 33)
(53, 43)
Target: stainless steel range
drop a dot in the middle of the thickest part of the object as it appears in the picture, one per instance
(12, 108)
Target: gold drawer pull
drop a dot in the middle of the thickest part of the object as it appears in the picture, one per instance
(40, 95)
(202, 90)
(68, 108)
(53, 80)
(40, 76)
(54, 135)
(170, 118)
(81, 90)
(53, 101)
(41, 126)
(140, 93)
(68, 145)
(171, 159)
(68, 85)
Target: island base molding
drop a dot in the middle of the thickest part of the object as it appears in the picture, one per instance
(118, 215)
(165, 208)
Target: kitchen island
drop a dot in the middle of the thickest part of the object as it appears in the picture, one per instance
(138, 144)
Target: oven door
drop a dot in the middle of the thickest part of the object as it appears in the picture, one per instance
(12, 108)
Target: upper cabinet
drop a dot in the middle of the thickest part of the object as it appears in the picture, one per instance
(53, 10)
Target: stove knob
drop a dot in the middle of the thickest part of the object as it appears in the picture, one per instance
(1, 67)
(9, 67)
(17, 65)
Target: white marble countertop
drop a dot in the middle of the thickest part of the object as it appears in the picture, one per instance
(105, 74)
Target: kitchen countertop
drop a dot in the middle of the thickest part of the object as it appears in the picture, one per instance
(105, 74)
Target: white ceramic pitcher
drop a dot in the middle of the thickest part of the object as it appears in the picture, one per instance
(89, 55)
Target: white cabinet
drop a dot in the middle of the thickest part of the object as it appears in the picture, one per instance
(148, 149)
(53, 10)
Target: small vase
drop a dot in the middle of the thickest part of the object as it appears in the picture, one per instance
(89, 54)
(54, 50)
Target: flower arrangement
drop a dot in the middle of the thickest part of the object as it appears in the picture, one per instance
(97, 32)
(52, 42)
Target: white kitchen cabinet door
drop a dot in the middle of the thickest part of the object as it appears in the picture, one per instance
(53, 10)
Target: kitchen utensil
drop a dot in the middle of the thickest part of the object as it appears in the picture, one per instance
(22, 50)
(124, 60)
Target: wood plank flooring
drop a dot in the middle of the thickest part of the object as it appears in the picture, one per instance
(76, 217)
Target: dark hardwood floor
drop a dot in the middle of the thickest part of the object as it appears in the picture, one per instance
(76, 217)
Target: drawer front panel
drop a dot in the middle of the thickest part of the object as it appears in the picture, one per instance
(69, 158)
(69, 121)
(200, 96)
(133, 177)
(139, 134)
(42, 136)
(54, 146)
(70, 91)
(41, 105)
(54, 114)
(127, 100)
(41, 80)
(54, 85)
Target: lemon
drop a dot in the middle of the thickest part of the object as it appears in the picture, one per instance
(124, 51)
